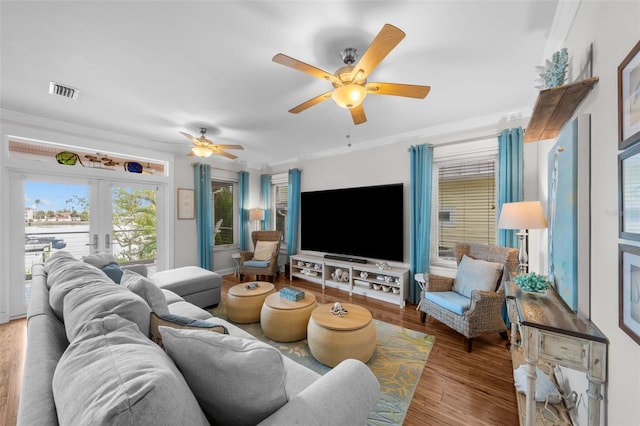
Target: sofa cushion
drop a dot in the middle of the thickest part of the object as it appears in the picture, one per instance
(449, 300)
(145, 288)
(177, 321)
(476, 274)
(236, 381)
(68, 274)
(264, 249)
(112, 374)
(99, 259)
(85, 303)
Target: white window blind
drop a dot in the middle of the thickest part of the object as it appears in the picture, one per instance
(466, 204)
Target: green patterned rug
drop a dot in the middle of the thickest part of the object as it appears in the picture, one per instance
(397, 362)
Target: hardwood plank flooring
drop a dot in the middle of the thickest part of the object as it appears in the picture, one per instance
(456, 387)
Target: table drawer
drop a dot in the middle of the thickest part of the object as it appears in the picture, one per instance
(568, 351)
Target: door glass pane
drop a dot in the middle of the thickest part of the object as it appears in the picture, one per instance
(56, 217)
(134, 235)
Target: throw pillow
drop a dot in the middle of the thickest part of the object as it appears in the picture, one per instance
(113, 271)
(177, 321)
(112, 374)
(145, 288)
(237, 381)
(83, 304)
(546, 390)
(476, 274)
(264, 249)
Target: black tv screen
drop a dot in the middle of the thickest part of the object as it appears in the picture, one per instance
(364, 222)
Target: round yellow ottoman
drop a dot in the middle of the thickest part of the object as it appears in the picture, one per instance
(332, 338)
(285, 320)
(244, 303)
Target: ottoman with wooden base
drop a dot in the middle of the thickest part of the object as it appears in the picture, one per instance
(244, 303)
(333, 339)
(285, 320)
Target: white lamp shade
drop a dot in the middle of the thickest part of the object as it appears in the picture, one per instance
(256, 214)
(201, 151)
(522, 215)
(349, 95)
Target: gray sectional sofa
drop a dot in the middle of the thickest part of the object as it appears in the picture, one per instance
(90, 359)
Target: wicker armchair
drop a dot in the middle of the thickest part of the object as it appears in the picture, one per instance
(484, 315)
(247, 265)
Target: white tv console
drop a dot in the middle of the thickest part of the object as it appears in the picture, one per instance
(363, 278)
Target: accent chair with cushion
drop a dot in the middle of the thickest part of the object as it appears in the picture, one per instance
(263, 260)
(471, 303)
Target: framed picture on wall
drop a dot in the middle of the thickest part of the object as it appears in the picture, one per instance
(629, 99)
(629, 193)
(186, 204)
(629, 292)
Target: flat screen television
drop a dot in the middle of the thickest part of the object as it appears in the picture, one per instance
(364, 222)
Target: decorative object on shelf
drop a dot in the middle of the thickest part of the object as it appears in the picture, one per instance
(364, 274)
(337, 309)
(384, 266)
(522, 215)
(252, 286)
(629, 291)
(256, 215)
(628, 193)
(396, 290)
(532, 282)
(629, 99)
(386, 288)
(300, 263)
(133, 167)
(340, 275)
(291, 293)
(387, 279)
(554, 72)
(68, 158)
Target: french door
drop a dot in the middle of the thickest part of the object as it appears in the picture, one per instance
(86, 216)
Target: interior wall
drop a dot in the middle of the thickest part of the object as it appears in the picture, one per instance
(613, 28)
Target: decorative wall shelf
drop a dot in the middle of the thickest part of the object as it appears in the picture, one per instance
(554, 108)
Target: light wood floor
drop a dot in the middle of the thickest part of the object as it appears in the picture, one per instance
(456, 387)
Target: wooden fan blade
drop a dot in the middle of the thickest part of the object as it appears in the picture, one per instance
(224, 154)
(388, 38)
(191, 138)
(288, 61)
(227, 146)
(190, 154)
(394, 89)
(310, 103)
(358, 115)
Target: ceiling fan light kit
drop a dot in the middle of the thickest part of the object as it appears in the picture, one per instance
(203, 147)
(349, 95)
(350, 81)
(202, 151)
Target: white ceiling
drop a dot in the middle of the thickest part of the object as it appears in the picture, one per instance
(150, 69)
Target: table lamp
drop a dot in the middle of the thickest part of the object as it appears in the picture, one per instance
(522, 216)
(257, 215)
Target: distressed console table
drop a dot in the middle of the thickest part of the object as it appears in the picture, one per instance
(550, 331)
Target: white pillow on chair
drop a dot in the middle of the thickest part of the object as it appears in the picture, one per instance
(264, 249)
(475, 274)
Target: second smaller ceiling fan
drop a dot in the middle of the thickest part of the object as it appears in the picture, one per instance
(203, 147)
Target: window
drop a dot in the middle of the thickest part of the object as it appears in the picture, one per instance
(280, 197)
(223, 210)
(465, 202)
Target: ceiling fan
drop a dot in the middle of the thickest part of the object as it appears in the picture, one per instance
(350, 81)
(203, 147)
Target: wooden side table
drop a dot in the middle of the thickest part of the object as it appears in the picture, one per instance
(285, 320)
(244, 304)
(332, 338)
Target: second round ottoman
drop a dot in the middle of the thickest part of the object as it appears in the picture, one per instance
(332, 339)
(285, 320)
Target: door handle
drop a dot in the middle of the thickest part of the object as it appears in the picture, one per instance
(95, 242)
(107, 241)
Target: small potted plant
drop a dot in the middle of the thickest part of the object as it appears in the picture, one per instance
(532, 282)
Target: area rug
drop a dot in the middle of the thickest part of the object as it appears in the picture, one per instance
(397, 362)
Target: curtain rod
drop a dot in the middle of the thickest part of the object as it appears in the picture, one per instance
(476, 138)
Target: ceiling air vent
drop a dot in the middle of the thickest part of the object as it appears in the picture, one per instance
(66, 91)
